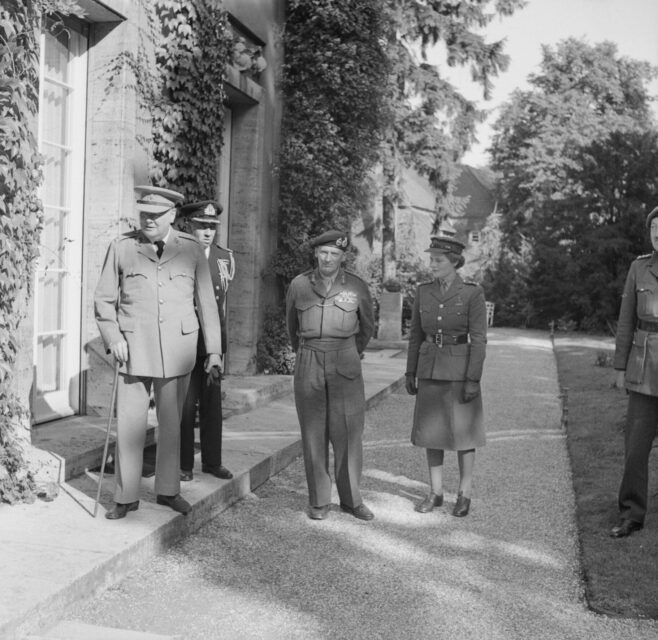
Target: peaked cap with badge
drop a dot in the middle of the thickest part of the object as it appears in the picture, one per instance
(445, 242)
(156, 199)
(202, 211)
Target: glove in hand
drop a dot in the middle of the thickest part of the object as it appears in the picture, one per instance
(410, 384)
(471, 390)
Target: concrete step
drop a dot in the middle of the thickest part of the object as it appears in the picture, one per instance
(78, 442)
(73, 630)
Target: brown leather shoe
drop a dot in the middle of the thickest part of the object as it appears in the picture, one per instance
(625, 528)
(217, 470)
(120, 510)
(361, 511)
(318, 513)
(177, 503)
(461, 506)
(431, 501)
(186, 476)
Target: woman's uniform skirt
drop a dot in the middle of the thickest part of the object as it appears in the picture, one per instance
(442, 420)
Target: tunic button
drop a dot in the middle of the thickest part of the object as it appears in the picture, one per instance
(440, 318)
(161, 301)
(159, 268)
(217, 287)
(440, 306)
(161, 319)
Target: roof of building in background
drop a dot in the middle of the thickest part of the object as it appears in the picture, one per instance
(477, 186)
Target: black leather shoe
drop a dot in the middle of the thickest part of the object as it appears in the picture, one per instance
(318, 513)
(120, 510)
(177, 503)
(431, 501)
(625, 528)
(361, 512)
(217, 470)
(186, 476)
(461, 506)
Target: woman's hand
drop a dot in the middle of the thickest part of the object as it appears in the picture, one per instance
(471, 390)
(410, 384)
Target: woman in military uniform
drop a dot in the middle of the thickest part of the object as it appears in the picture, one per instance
(444, 366)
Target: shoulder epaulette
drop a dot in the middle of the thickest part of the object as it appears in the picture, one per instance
(425, 284)
(644, 257)
(470, 283)
(355, 275)
(129, 234)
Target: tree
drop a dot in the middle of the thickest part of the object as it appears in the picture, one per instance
(334, 79)
(574, 154)
(433, 123)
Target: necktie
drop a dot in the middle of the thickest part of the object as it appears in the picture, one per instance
(160, 245)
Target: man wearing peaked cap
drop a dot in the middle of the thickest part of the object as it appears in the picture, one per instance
(153, 295)
(330, 320)
(202, 220)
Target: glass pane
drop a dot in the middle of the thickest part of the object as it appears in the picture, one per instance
(57, 54)
(51, 295)
(56, 170)
(54, 239)
(54, 113)
(49, 362)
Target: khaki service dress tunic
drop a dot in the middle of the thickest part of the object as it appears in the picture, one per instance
(447, 345)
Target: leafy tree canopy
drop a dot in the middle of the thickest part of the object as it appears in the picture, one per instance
(575, 153)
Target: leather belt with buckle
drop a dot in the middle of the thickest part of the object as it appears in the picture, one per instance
(645, 325)
(441, 339)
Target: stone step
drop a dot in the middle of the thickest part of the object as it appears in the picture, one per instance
(77, 442)
(73, 630)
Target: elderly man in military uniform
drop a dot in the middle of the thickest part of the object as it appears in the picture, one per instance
(636, 361)
(330, 321)
(153, 294)
(202, 221)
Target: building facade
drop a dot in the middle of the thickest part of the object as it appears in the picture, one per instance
(90, 135)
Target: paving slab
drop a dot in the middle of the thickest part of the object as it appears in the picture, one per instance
(56, 553)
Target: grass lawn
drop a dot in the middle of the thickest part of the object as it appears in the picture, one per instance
(621, 576)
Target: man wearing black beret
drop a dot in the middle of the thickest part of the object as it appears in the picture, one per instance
(330, 320)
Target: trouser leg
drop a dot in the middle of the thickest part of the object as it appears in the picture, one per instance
(188, 418)
(311, 403)
(346, 406)
(639, 435)
(210, 423)
(169, 399)
(132, 412)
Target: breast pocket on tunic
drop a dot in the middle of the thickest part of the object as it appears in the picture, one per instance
(135, 285)
(183, 280)
(342, 315)
(309, 316)
(647, 301)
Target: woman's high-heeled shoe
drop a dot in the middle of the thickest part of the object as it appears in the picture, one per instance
(431, 501)
(461, 506)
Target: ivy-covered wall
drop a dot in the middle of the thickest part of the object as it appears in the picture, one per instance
(334, 78)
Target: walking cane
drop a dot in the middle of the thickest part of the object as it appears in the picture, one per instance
(107, 434)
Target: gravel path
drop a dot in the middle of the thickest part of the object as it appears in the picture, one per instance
(509, 570)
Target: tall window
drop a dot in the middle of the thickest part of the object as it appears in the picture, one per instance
(58, 287)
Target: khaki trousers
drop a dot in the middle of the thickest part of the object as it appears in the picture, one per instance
(132, 412)
(330, 401)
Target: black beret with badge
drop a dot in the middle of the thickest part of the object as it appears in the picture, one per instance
(333, 238)
(203, 211)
